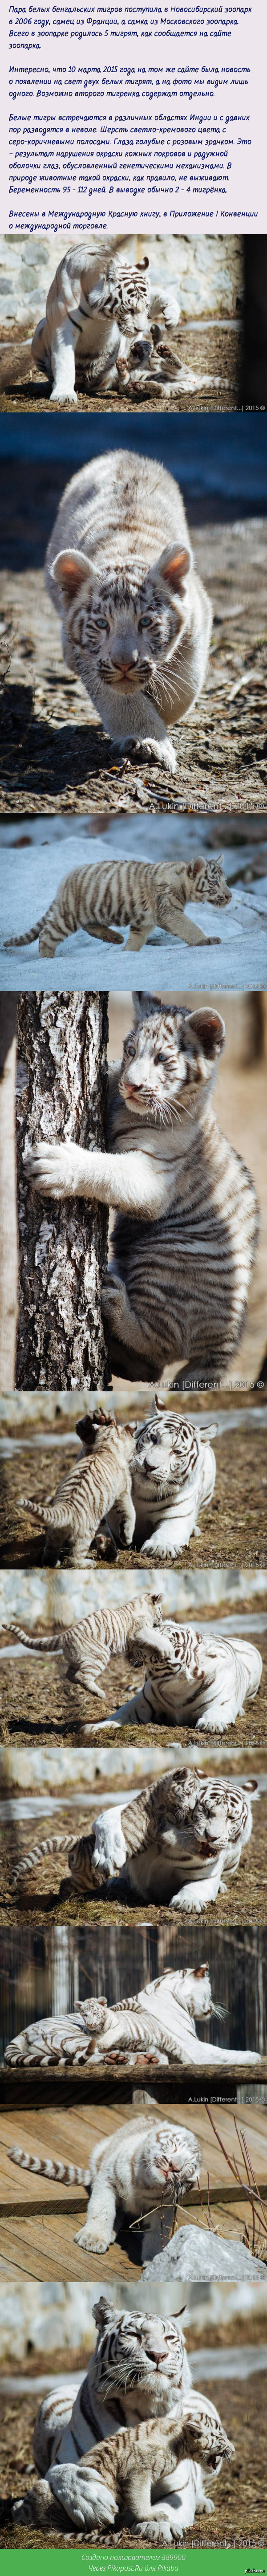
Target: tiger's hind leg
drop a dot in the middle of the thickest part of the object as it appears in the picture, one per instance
(124, 1330)
(120, 1317)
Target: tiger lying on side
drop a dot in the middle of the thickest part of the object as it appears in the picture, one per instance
(202, 1679)
(156, 2025)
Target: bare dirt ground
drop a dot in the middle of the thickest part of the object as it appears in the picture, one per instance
(54, 756)
(239, 2516)
(209, 361)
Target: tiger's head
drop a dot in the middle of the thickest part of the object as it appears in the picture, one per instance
(139, 2360)
(166, 1452)
(168, 1061)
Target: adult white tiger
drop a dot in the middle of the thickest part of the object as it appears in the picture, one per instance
(138, 2370)
(96, 305)
(156, 2025)
(86, 1648)
(173, 1475)
(186, 1226)
(171, 1842)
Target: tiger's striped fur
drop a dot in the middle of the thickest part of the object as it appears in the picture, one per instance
(125, 891)
(186, 1228)
(89, 1490)
(88, 1646)
(205, 1682)
(156, 2025)
(171, 1842)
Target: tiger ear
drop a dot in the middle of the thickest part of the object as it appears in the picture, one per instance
(145, 1005)
(173, 565)
(68, 573)
(103, 2312)
(208, 1431)
(210, 1030)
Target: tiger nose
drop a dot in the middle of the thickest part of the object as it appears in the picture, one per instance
(124, 656)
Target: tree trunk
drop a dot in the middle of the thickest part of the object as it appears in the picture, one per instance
(8, 1193)
(63, 1245)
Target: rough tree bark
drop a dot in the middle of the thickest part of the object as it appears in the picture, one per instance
(62, 1246)
(8, 1193)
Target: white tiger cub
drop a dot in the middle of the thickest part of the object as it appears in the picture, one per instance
(186, 1228)
(157, 2024)
(88, 1491)
(171, 1842)
(135, 2478)
(140, 2173)
(129, 891)
(87, 1648)
(136, 620)
(96, 304)
(173, 1476)
(205, 1684)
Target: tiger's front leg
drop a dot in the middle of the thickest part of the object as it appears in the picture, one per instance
(99, 2228)
(182, 928)
(126, 1514)
(160, 2528)
(138, 2506)
(201, 1892)
(63, 345)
